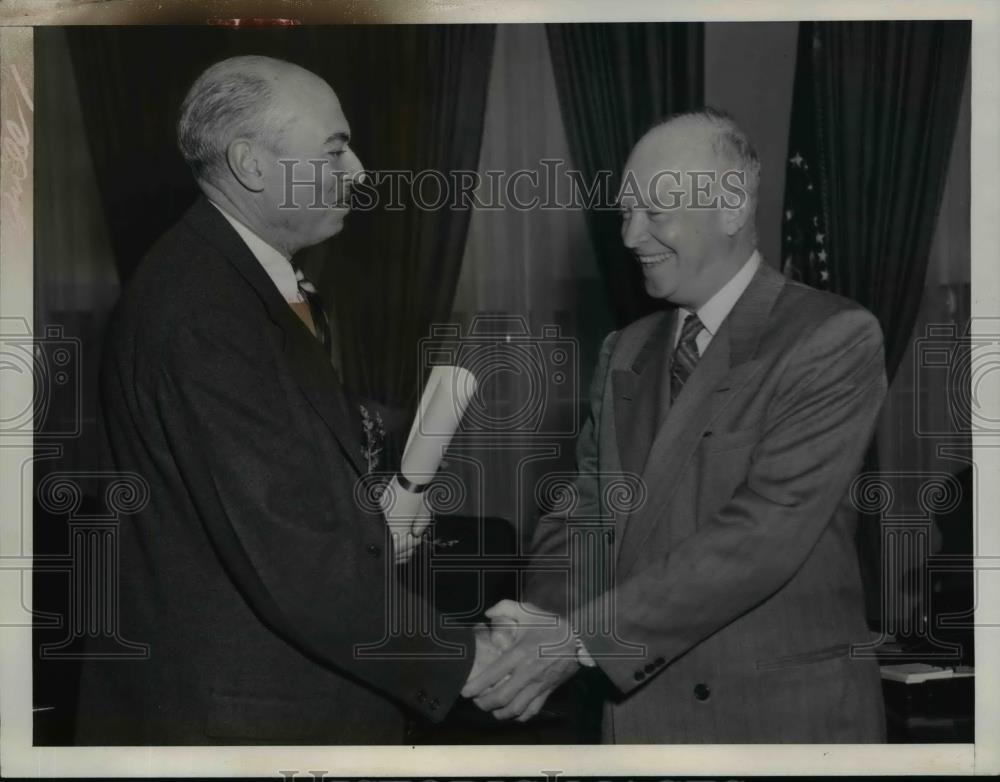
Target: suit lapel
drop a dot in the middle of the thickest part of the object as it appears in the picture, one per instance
(636, 390)
(310, 366)
(724, 369)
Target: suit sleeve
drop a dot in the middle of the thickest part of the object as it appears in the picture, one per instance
(815, 434)
(548, 589)
(314, 566)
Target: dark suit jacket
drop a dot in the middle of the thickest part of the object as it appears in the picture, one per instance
(253, 573)
(735, 590)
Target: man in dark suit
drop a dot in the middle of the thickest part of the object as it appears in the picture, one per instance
(259, 583)
(746, 407)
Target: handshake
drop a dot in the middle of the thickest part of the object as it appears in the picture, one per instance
(522, 656)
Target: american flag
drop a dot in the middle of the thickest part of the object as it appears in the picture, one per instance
(803, 226)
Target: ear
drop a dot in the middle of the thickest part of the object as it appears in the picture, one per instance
(733, 220)
(243, 162)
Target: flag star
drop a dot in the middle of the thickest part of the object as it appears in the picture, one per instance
(820, 237)
(788, 214)
(809, 186)
(796, 160)
(824, 275)
(815, 220)
(822, 255)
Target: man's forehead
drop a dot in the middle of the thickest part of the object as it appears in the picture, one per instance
(683, 147)
(665, 158)
(301, 87)
(315, 107)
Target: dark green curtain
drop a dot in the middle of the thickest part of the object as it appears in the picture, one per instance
(614, 82)
(415, 97)
(874, 113)
(399, 268)
(876, 104)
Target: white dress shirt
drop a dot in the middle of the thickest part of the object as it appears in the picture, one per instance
(277, 266)
(717, 309)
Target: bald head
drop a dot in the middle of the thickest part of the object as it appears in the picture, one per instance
(689, 192)
(705, 140)
(250, 97)
(269, 144)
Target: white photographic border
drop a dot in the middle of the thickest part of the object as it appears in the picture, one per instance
(17, 755)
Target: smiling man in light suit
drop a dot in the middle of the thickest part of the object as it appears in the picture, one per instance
(746, 407)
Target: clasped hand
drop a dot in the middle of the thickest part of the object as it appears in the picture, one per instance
(407, 531)
(521, 658)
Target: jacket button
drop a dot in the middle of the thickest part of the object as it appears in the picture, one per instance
(650, 667)
(374, 550)
(659, 661)
(701, 692)
(639, 676)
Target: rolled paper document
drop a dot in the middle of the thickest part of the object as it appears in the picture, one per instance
(446, 397)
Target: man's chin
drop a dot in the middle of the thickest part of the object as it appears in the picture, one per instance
(334, 223)
(658, 289)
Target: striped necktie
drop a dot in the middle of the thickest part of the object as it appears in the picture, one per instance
(685, 355)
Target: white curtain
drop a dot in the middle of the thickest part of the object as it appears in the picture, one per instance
(537, 265)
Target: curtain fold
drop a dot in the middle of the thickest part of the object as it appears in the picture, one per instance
(615, 81)
(414, 96)
(131, 82)
(874, 114)
(425, 114)
(878, 102)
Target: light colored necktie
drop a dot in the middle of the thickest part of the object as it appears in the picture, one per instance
(304, 311)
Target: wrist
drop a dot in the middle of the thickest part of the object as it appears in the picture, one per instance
(582, 655)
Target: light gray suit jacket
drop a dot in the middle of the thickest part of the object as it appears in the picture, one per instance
(723, 601)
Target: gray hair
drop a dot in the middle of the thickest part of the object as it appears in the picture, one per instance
(229, 100)
(730, 144)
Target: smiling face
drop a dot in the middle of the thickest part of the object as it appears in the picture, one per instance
(684, 249)
(315, 140)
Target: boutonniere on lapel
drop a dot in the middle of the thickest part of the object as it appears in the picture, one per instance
(374, 431)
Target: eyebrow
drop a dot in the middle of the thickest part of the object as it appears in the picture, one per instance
(338, 136)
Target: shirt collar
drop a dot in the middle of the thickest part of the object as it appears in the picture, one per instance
(717, 309)
(276, 265)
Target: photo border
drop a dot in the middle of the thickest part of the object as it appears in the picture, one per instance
(17, 755)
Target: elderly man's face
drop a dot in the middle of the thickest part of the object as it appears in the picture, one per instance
(677, 243)
(314, 151)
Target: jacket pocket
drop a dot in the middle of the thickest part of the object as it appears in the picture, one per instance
(728, 441)
(805, 658)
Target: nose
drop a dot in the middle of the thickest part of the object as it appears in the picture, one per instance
(354, 167)
(633, 229)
